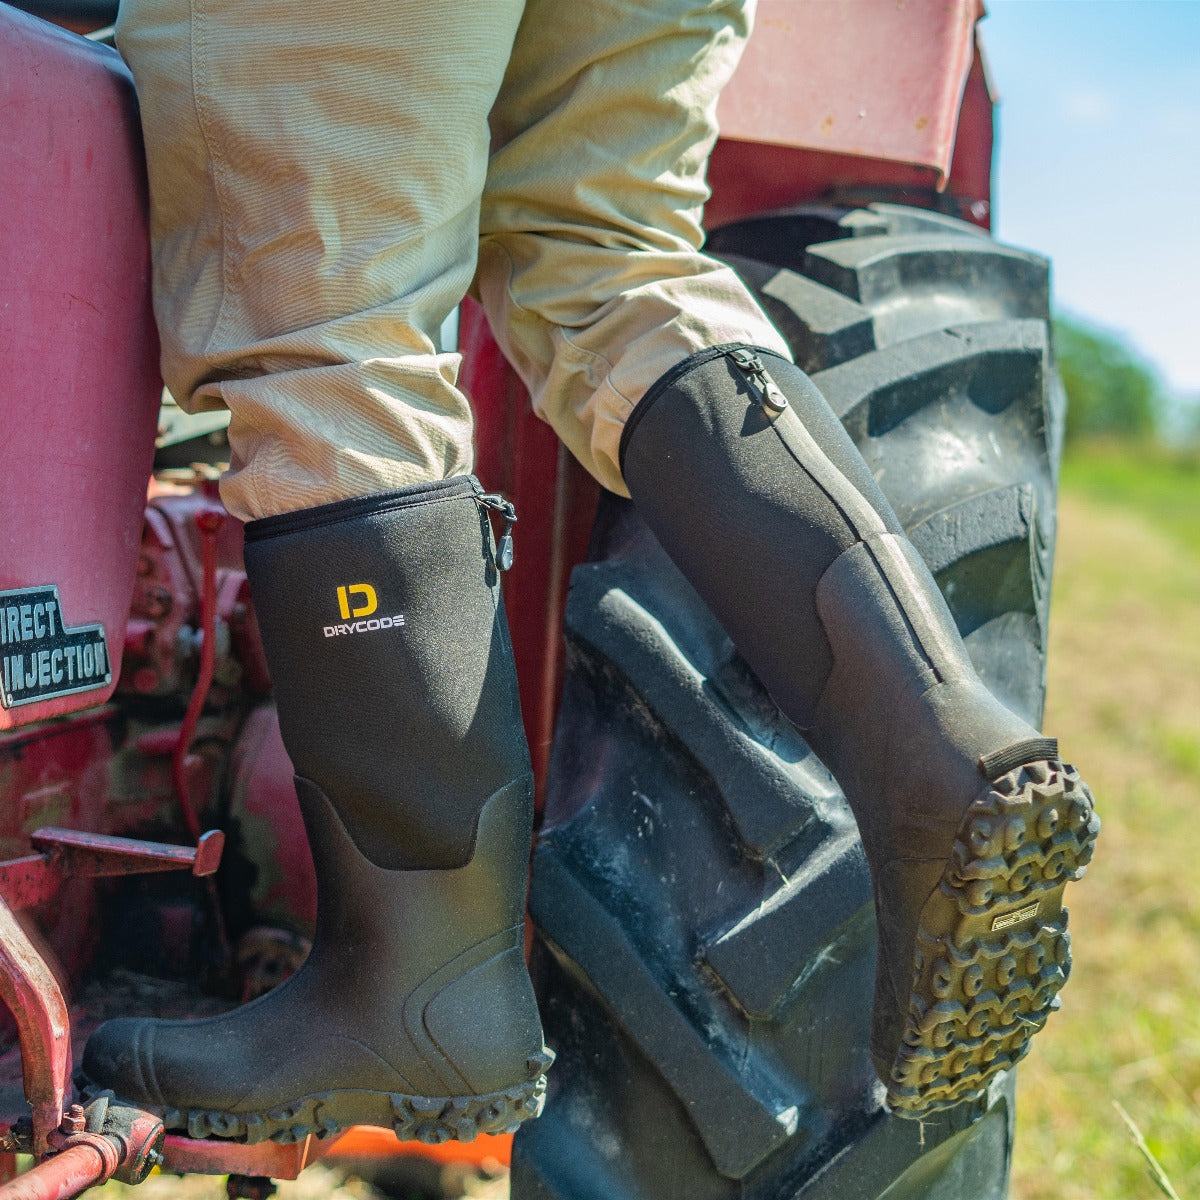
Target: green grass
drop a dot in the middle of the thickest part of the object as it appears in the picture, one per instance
(1124, 700)
(1160, 484)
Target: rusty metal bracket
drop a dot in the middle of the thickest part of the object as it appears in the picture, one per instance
(79, 853)
(36, 1002)
(108, 1141)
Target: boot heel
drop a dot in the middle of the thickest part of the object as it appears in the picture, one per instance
(992, 944)
(995, 765)
(485, 1022)
(434, 1120)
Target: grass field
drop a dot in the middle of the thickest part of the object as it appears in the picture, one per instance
(1124, 701)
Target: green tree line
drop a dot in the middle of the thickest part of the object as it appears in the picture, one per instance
(1111, 390)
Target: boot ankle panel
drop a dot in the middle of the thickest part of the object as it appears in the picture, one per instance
(855, 736)
(893, 643)
(387, 851)
(965, 715)
(362, 903)
(484, 1022)
(930, 769)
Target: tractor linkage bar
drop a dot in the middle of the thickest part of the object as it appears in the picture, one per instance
(104, 1141)
(69, 853)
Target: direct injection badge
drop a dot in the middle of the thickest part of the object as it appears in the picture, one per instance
(40, 655)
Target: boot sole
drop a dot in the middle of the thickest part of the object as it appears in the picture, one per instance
(992, 944)
(429, 1119)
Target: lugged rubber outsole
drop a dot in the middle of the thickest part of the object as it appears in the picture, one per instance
(992, 944)
(430, 1119)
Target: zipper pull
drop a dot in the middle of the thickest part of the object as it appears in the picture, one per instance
(766, 390)
(504, 547)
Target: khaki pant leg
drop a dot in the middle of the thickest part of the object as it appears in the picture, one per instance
(590, 268)
(315, 173)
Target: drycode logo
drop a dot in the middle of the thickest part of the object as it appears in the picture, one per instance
(370, 601)
(39, 656)
(360, 600)
(1015, 918)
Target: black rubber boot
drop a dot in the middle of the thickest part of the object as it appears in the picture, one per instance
(397, 697)
(971, 823)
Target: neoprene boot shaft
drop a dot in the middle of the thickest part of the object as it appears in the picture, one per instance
(754, 488)
(396, 688)
(397, 697)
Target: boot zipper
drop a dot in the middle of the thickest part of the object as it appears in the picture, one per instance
(504, 547)
(766, 390)
(660, 385)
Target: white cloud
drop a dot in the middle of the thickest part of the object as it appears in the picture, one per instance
(1088, 106)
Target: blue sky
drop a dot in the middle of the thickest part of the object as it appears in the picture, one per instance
(1099, 162)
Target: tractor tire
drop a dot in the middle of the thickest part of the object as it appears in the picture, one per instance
(704, 931)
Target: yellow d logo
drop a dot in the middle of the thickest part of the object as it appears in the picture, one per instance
(366, 591)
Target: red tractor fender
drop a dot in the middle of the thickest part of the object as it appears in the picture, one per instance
(874, 97)
(79, 384)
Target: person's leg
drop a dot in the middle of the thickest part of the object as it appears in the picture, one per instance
(315, 177)
(314, 185)
(590, 266)
(660, 373)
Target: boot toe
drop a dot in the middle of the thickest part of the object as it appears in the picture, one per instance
(118, 1058)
